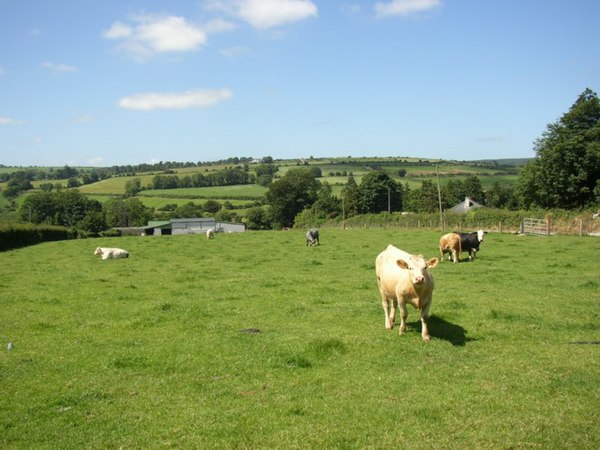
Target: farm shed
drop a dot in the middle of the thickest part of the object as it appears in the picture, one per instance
(159, 227)
(183, 226)
(200, 225)
(466, 206)
(193, 226)
(228, 227)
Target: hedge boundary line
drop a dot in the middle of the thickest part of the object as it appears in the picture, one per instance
(21, 235)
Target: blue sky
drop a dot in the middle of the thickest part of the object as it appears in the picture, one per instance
(125, 82)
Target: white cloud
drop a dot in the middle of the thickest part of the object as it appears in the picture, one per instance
(9, 121)
(153, 34)
(268, 13)
(59, 68)
(404, 7)
(199, 98)
(219, 26)
(118, 30)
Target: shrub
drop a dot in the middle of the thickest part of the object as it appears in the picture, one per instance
(21, 235)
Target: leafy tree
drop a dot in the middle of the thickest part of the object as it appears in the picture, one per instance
(315, 171)
(73, 182)
(424, 199)
(15, 187)
(128, 212)
(473, 188)
(211, 206)
(73, 207)
(265, 169)
(39, 208)
(66, 172)
(453, 193)
(94, 221)
(264, 180)
(258, 219)
(134, 186)
(566, 169)
(67, 208)
(290, 194)
(377, 191)
(91, 177)
(351, 197)
(224, 215)
(327, 205)
(498, 196)
(189, 210)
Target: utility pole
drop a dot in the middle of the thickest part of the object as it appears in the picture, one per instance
(343, 212)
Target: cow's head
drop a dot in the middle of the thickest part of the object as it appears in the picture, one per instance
(418, 267)
(98, 251)
(480, 234)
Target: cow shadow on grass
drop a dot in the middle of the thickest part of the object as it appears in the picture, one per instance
(447, 331)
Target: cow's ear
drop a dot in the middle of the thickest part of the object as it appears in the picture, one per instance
(433, 262)
(402, 264)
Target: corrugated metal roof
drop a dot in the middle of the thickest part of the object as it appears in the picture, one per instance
(195, 219)
(158, 224)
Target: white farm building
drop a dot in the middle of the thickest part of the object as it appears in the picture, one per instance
(184, 226)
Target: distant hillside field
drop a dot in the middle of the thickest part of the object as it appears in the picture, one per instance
(335, 171)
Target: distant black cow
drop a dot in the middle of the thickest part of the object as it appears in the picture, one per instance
(470, 242)
(312, 237)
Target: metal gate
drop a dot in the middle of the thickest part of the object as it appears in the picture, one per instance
(535, 226)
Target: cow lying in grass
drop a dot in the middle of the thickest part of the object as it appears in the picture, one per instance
(404, 278)
(450, 243)
(111, 253)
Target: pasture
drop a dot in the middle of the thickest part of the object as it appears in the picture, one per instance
(253, 340)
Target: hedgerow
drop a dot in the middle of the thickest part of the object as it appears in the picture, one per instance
(15, 235)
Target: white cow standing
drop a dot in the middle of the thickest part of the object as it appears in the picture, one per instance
(210, 234)
(404, 278)
(111, 253)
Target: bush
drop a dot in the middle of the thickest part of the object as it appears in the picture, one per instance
(21, 235)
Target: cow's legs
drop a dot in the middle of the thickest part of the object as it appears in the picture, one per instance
(424, 318)
(389, 311)
(403, 317)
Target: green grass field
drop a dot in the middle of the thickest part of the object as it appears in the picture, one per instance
(243, 190)
(161, 351)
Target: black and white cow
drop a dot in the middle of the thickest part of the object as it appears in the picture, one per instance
(312, 237)
(469, 242)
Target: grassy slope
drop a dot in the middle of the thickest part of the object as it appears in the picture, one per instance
(147, 352)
